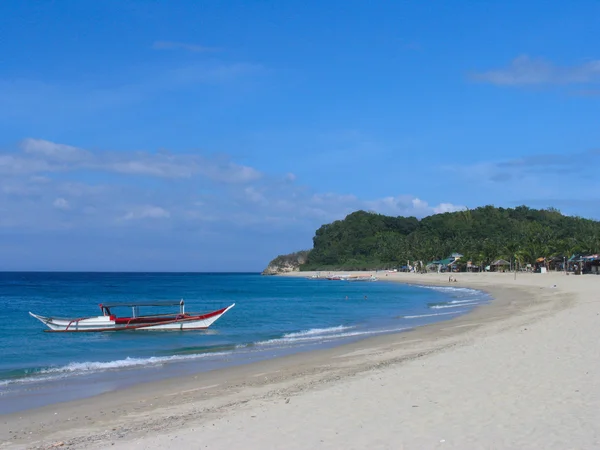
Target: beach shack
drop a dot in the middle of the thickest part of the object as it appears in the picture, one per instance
(581, 264)
(470, 267)
(540, 265)
(500, 265)
(591, 264)
(446, 264)
(576, 264)
(557, 263)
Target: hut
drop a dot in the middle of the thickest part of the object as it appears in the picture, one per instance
(576, 264)
(592, 264)
(557, 263)
(470, 267)
(500, 265)
(443, 265)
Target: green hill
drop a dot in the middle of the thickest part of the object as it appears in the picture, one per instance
(365, 240)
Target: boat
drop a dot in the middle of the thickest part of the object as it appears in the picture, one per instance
(108, 321)
(363, 278)
(338, 277)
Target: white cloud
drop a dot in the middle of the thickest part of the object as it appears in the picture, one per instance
(448, 207)
(53, 151)
(147, 212)
(284, 206)
(40, 156)
(406, 205)
(61, 203)
(201, 192)
(78, 189)
(419, 204)
(18, 165)
(253, 195)
(524, 70)
(150, 165)
(228, 172)
(178, 166)
(17, 188)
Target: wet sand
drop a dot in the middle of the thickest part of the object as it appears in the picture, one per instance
(520, 372)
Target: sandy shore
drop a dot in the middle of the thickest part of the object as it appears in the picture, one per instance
(521, 372)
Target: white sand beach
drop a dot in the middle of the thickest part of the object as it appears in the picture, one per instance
(521, 372)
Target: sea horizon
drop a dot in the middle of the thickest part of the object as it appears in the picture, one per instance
(216, 272)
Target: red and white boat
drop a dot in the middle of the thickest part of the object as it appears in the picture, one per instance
(108, 321)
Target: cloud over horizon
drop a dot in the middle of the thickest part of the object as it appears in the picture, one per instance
(542, 180)
(185, 189)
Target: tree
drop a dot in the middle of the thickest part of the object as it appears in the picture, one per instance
(482, 235)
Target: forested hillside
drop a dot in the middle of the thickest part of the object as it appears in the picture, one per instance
(366, 240)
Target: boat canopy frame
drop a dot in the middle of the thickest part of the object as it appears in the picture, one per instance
(105, 307)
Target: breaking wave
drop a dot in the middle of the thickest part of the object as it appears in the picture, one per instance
(449, 289)
(316, 331)
(456, 302)
(461, 305)
(432, 315)
(298, 338)
(89, 367)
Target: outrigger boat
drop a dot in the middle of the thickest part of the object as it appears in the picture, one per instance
(363, 278)
(108, 321)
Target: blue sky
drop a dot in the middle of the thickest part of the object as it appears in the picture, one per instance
(200, 136)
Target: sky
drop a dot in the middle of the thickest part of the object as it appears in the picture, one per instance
(213, 136)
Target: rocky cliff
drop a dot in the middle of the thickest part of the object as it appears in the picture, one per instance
(286, 263)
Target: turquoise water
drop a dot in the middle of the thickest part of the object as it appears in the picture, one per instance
(272, 316)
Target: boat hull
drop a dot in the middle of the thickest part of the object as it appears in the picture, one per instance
(111, 323)
(370, 278)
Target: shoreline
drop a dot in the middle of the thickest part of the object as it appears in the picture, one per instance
(176, 404)
(90, 377)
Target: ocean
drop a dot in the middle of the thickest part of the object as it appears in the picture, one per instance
(273, 316)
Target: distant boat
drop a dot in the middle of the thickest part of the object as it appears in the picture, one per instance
(363, 278)
(108, 321)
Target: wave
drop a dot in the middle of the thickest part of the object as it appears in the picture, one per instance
(432, 315)
(456, 302)
(304, 337)
(123, 363)
(323, 338)
(448, 288)
(89, 367)
(23, 380)
(316, 331)
(454, 306)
